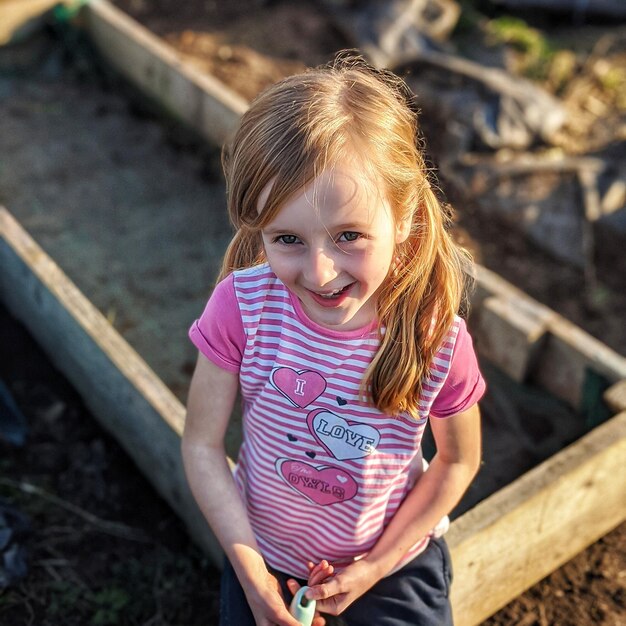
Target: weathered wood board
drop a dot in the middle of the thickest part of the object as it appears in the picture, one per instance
(523, 532)
(19, 18)
(119, 388)
(199, 100)
(532, 342)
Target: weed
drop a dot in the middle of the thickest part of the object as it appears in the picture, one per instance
(106, 606)
(64, 594)
(535, 52)
(110, 604)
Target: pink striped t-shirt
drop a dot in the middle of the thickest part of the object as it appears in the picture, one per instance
(321, 471)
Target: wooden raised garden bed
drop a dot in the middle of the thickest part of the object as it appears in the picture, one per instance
(506, 539)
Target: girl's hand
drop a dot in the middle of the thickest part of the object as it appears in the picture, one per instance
(268, 605)
(335, 594)
(318, 573)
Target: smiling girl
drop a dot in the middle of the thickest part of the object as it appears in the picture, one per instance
(335, 317)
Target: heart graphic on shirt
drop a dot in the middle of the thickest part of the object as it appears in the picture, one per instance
(343, 439)
(322, 485)
(299, 387)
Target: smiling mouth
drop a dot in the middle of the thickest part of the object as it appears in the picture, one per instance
(332, 298)
(334, 294)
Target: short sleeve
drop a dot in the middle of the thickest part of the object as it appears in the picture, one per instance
(464, 385)
(218, 333)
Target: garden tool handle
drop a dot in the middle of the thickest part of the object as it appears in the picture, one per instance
(302, 608)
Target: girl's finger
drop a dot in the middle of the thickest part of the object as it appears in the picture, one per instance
(314, 567)
(324, 590)
(321, 575)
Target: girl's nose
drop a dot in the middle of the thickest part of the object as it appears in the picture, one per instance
(320, 268)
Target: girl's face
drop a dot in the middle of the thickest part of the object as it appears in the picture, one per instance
(333, 244)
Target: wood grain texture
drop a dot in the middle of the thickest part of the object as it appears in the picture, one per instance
(561, 361)
(123, 393)
(531, 527)
(199, 100)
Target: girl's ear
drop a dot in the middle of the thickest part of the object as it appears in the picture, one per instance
(403, 230)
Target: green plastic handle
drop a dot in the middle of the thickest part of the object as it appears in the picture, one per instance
(302, 608)
(65, 12)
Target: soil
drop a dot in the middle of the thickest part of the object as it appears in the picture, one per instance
(101, 548)
(142, 569)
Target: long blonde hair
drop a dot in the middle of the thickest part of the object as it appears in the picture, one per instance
(309, 122)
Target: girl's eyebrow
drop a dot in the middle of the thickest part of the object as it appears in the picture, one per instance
(356, 225)
(271, 230)
(346, 226)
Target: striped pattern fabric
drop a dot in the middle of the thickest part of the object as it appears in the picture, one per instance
(321, 471)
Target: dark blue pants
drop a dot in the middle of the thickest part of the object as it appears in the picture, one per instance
(416, 595)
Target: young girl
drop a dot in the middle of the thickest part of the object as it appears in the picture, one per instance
(335, 318)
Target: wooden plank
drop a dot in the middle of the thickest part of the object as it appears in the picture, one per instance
(566, 353)
(531, 527)
(511, 333)
(20, 18)
(615, 396)
(569, 353)
(119, 388)
(198, 99)
(488, 284)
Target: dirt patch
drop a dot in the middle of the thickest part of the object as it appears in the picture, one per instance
(104, 187)
(247, 44)
(101, 548)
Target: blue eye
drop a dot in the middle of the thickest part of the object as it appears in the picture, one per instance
(287, 239)
(350, 236)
